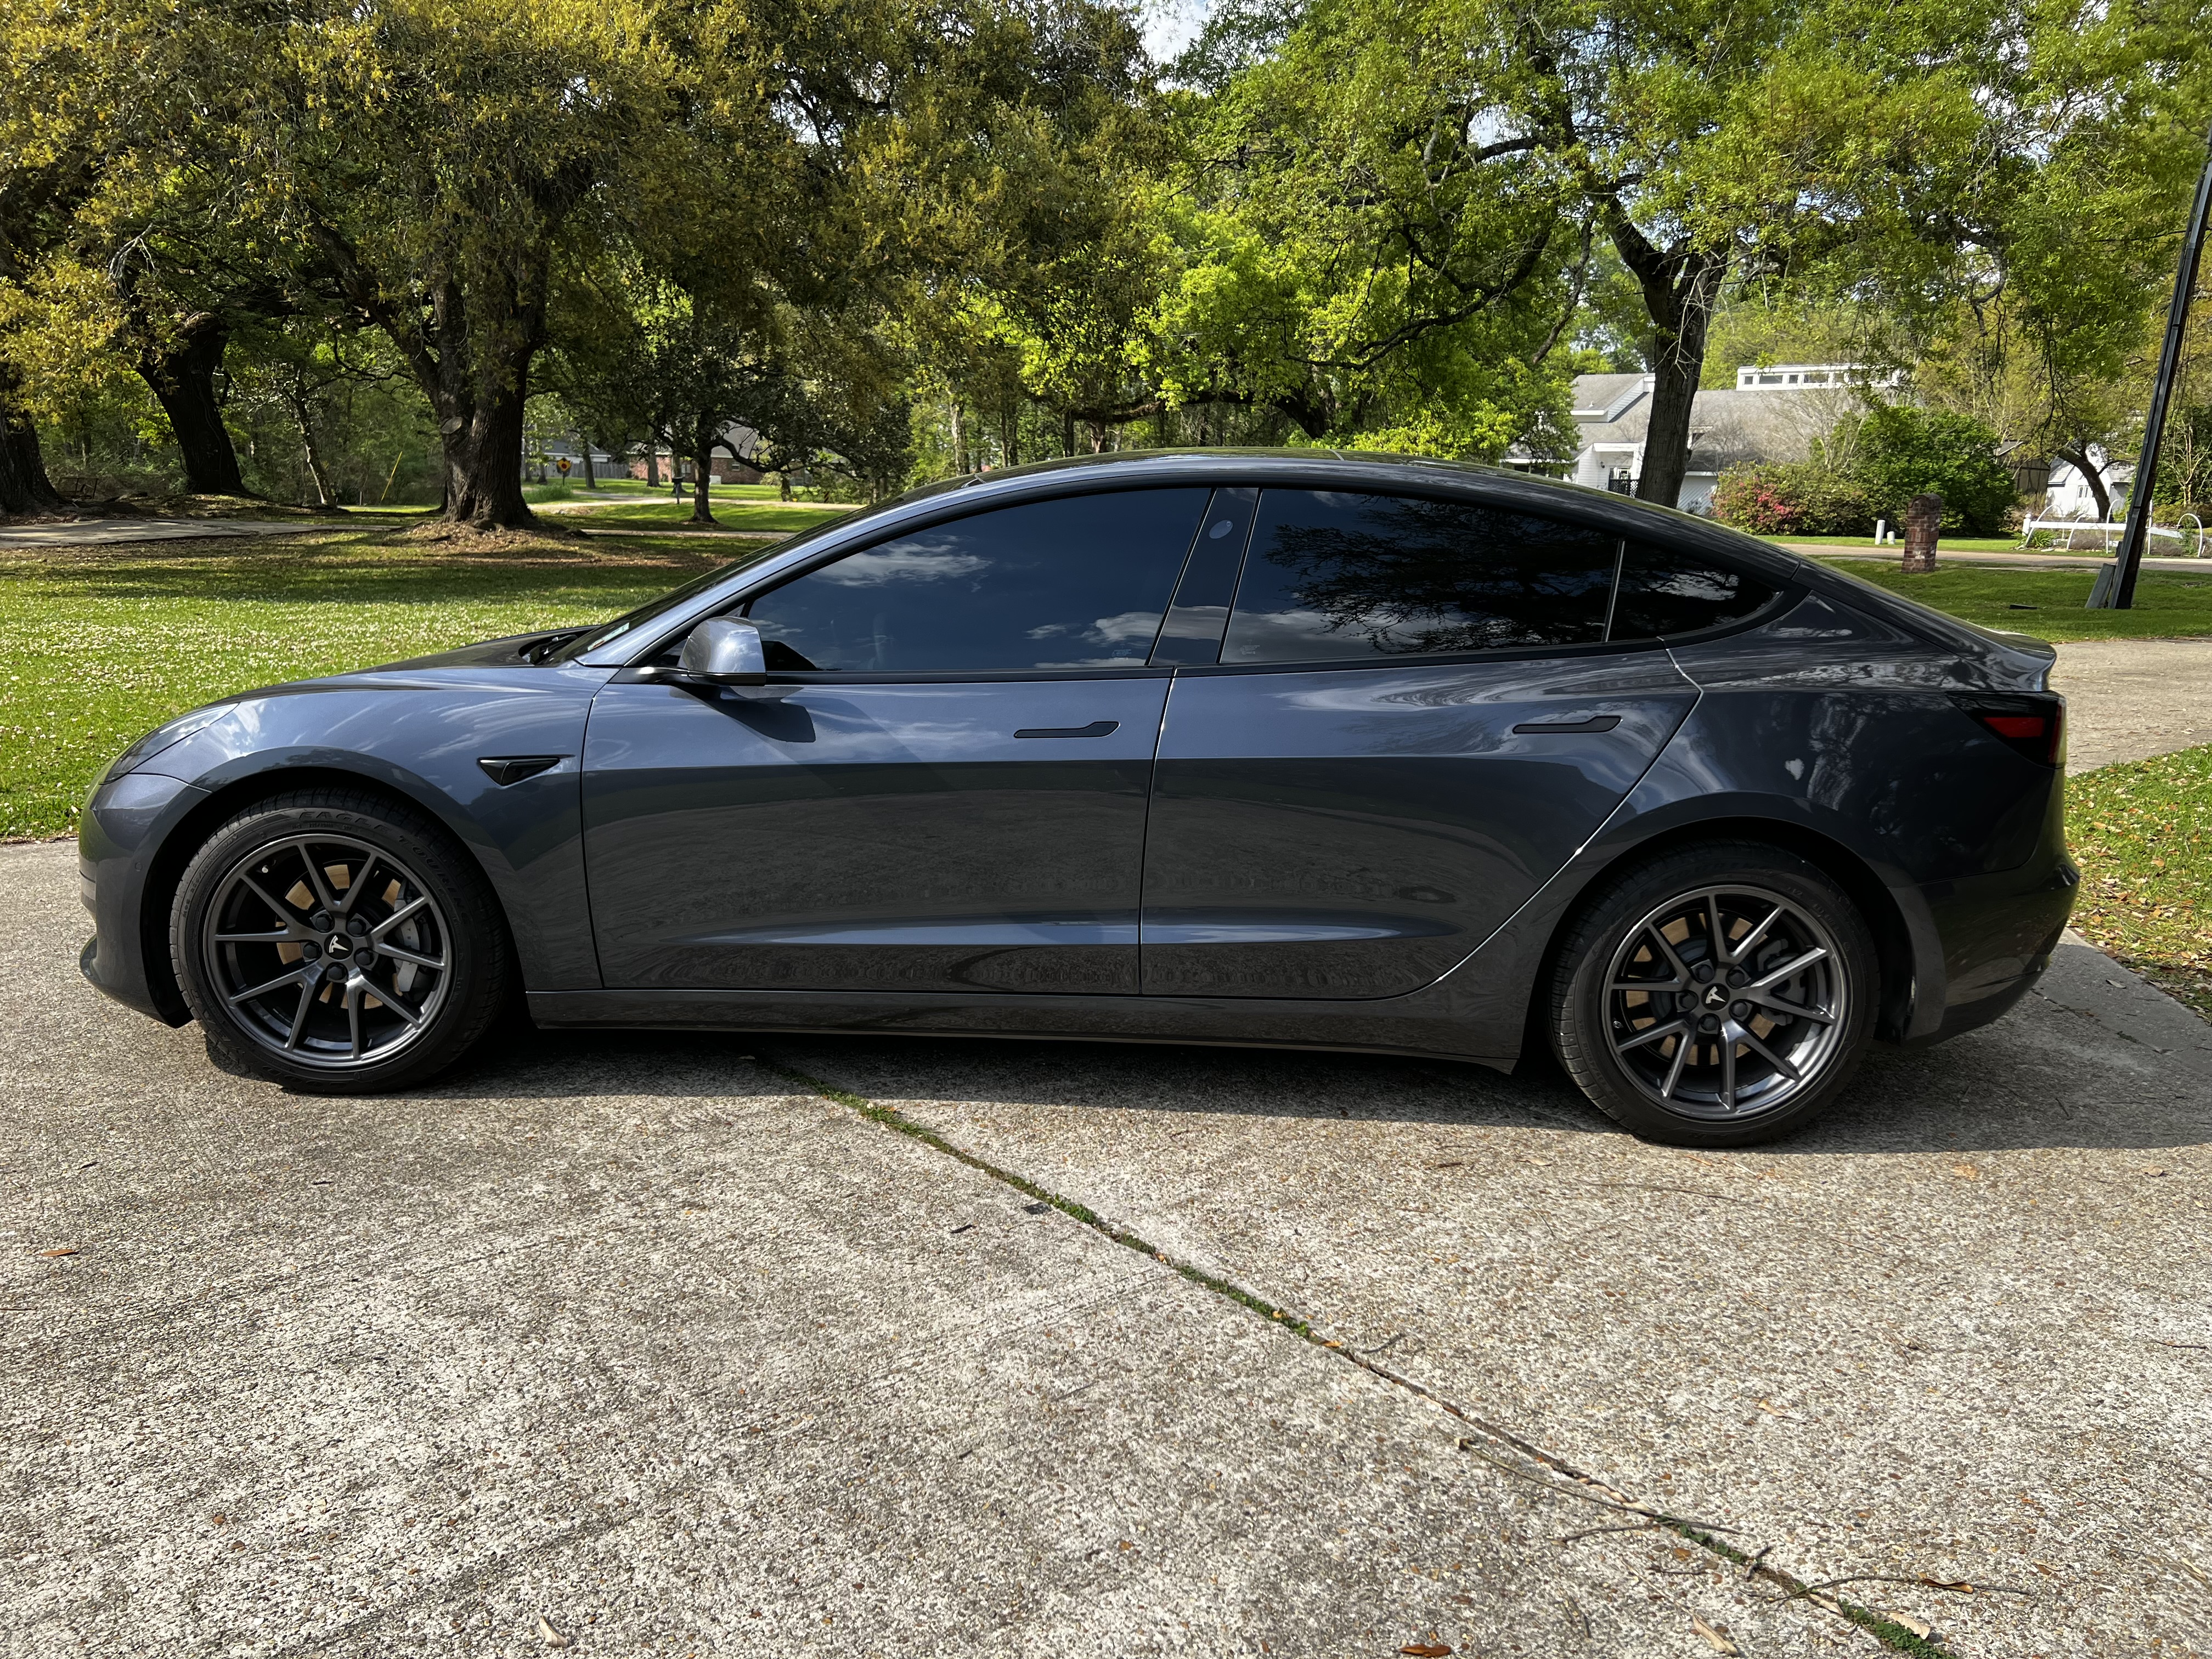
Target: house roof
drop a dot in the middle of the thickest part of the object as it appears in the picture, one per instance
(1729, 427)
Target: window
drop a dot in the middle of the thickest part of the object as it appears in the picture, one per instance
(1665, 592)
(1334, 575)
(1079, 582)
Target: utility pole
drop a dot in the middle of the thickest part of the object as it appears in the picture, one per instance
(2120, 593)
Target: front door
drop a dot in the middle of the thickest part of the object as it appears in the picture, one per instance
(1420, 710)
(951, 796)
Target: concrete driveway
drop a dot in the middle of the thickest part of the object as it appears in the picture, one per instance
(642, 1344)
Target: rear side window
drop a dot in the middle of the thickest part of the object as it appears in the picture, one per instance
(1334, 575)
(1666, 592)
(1079, 582)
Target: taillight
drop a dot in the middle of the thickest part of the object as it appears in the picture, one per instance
(2033, 726)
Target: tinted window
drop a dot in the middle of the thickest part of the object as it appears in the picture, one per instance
(1664, 592)
(1080, 582)
(1334, 574)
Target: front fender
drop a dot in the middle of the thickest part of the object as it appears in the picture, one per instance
(418, 733)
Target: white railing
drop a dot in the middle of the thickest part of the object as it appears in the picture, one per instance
(2111, 528)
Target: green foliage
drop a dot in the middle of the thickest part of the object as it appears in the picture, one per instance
(1900, 453)
(1793, 498)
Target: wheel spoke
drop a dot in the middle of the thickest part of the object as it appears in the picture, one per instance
(1751, 940)
(1740, 1033)
(316, 878)
(1763, 999)
(275, 984)
(352, 1016)
(376, 933)
(279, 906)
(1716, 930)
(1675, 1071)
(1655, 1034)
(359, 884)
(277, 938)
(1789, 969)
(1728, 1072)
(1681, 969)
(299, 1013)
(390, 999)
(1645, 985)
(399, 954)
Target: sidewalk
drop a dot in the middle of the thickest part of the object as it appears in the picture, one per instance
(101, 532)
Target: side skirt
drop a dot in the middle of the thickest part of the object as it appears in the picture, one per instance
(1225, 1022)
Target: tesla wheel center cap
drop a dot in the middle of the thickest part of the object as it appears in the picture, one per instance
(1714, 997)
(339, 945)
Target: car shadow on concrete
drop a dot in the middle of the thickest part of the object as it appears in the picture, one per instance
(2046, 1076)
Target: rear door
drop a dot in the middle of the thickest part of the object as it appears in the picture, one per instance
(1420, 710)
(951, 796)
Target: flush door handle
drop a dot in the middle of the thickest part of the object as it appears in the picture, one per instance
(1554, 728)
(1095, 729)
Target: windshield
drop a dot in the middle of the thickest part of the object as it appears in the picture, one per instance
(594, 638)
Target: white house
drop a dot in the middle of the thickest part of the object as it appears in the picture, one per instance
(2070, 495)
(1771, 414)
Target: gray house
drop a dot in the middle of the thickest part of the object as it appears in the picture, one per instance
(1771, 414)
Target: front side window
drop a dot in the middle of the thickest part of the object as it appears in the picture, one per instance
(1078, 582)
(1334, 575)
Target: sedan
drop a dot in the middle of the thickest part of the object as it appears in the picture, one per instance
(1287, 749)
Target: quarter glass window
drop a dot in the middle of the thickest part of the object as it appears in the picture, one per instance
(1665, 592)
(1079, 582)
(1336, 575)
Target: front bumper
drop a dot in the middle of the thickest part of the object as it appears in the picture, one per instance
(119, 838)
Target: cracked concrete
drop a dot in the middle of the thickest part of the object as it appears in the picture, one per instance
(623, 1333)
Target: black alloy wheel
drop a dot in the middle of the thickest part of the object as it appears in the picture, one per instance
(337, 944)
(1718, 996)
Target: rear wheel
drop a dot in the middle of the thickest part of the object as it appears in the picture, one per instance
(1717, 996)
(337, 942)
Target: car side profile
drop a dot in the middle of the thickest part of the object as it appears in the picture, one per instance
(1266, 748)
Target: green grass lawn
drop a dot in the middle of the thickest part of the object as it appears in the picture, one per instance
(778, 517)
(105, 643)
(1951, 543)
(2048, 602)
(2142, 835)
(571, 489)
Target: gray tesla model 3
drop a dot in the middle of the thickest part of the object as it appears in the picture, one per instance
(1275, 748)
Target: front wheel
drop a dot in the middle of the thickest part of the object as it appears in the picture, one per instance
(1718, 996)
(337, 942)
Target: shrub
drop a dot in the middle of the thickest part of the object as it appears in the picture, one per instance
(1787, 498)
(1900, 453)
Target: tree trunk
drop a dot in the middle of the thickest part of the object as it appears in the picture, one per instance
(702, 462)
(298, 406)
(180, 369)
(1679, 287)
(24, 486)
(483, 457)
(653, 466)
(590, 478)
(2077, 457)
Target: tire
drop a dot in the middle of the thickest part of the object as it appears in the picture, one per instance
(1795, 951)
(295, 915)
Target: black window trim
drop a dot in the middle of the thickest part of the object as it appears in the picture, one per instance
(1787, 587)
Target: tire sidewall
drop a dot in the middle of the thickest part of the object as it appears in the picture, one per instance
(477, 978)
(1580, 1016)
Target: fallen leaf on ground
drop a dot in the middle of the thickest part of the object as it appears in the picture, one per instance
(1715, 1634)
(71, 1251)
(1965, 1172)
(555, 1637)
(1426, 1649)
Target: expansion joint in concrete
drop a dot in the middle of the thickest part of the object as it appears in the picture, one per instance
(1529, 1462)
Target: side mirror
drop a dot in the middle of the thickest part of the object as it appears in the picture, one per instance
(726, 651)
